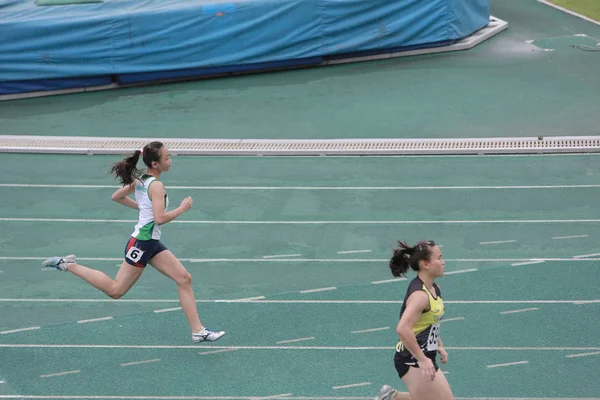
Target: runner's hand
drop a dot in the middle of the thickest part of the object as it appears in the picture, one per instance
(443, 355)
(186, 204)
(427, 369)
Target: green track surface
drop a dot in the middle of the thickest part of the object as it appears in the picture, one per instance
(510, 85)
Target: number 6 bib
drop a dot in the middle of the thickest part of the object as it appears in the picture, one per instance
(134, 254)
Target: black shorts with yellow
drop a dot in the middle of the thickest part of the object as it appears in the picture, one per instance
(426, 329)
(404, 360)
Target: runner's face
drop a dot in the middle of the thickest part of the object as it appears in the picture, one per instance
(436, 261)
(164, 162)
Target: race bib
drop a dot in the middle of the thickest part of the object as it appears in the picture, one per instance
(432, 339)
(134, 254)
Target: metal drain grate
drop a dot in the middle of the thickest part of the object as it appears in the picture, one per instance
(232, 147)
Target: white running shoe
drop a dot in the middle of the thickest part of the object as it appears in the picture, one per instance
(386, 393)
(60, 263)
(206, 335)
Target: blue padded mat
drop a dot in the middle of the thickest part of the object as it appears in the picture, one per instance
(162, 39)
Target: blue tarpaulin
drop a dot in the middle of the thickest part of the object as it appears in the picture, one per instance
(161, 39)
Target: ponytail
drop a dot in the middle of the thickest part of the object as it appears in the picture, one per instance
(126, 170)
(401, 259)
(405, 256)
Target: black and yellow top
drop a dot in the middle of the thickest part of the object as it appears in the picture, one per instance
(427, 327)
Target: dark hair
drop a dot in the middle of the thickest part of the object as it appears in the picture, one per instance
(405, 256)
(126, 170)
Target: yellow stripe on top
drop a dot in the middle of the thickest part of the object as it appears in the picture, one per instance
(431, 316)
(426, 329)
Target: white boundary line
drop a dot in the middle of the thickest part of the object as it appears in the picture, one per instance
(229, 188)
(20, 330)
(570, 237)
(344, 260)
(583, 354)
(285, 396)
(315, 222)
(385, 328)
(85, 321)
(519, 311)
(60, 373)
(256, 300)
(587, 255)
(352, 385)
(499, 242)
(317, 348)
(163, 310)
(202, 353)
(588, 19)
(324, 289)
(139, 362)
(508, 364)
(527, 263)
(389, 281)
(296, 340)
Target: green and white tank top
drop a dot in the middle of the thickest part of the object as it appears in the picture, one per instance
(146, 229)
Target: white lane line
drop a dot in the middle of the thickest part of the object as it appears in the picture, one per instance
(216, 351)
(351, 385)
(372, 330)
(318, 222)
(498, 242)
(295, 340)
(569, 237)
(167, 310)
(325, 289)
(21, 330)
(85, 321)
(453, 319)
(594, 353)
(354, 251)
(518, 311)
(95, 397)
(508, 364)
(316, 348)
(139, 362)
(460, 271)
(527, 263)
(275, 396)
(249, 299)
(285, 397)
(296, 301)
(388, 281)
(73, 186)
(60, 373)
(282, 255)
(342, 260)
(587, 255)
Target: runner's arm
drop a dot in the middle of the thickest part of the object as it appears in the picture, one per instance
(157, 194)
(416, 303)
(122, 196)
